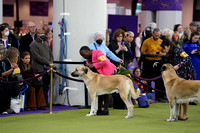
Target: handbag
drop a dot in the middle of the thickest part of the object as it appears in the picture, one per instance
(17, 104)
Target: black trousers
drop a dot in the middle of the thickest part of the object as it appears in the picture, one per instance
(151, 69)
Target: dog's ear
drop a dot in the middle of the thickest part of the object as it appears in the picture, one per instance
(163, 68)
(85, 70)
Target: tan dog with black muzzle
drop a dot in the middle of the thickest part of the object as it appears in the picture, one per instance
(98, 84)
(178, 90)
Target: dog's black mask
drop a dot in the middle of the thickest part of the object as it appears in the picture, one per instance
(163, 68)
(85, 70)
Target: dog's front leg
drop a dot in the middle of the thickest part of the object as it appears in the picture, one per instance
(177, 109)
(172, 106)
(93, 110)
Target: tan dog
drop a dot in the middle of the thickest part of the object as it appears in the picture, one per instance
(178, 90)
(98, 84)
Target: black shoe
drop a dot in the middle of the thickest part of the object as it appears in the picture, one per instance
(192, 103)
(104, 113)
(99, 112)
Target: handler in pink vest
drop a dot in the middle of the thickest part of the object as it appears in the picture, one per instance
(97, 61)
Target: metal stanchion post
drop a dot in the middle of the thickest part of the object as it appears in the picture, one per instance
(51, 88)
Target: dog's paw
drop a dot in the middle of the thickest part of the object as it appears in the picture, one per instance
(170, 120)
(88, 115)
(127, 117)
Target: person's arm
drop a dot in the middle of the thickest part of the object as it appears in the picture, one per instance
(111, 55)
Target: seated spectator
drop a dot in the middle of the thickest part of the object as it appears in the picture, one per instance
(8, 65)
(37, 100)
(143, 88)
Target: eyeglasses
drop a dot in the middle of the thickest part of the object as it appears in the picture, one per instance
(31, 26)
(120, 36)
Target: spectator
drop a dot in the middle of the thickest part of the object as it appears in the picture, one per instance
(147, 33)
(8, 65)
(176, 40)
(179, 28)
(186, 36)
(167, 33)
(138, 43)
(98, 62)
(28, 38)
(143, 88)
(99, 45)
(7, 38)
(152, 63)
(42, 57)
(119, 48)
(108, 32)
(192, 48)
(193, 26)
(129, 39)
(183, 66)
(49, 39)
(37, 100)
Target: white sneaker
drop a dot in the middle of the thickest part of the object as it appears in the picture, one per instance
(5, 113)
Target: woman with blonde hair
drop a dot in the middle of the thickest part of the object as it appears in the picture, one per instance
(7, 68)
(186, 36)
(176, 39)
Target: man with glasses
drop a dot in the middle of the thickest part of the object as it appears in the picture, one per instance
(28, 38)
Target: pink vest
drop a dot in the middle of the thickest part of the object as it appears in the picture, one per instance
(102, 63)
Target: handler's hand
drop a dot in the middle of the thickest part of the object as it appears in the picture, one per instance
(176, 67)
(90, 65)
(121, 61)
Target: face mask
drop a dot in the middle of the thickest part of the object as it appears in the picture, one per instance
(99, 41)
(42, 37)
(6, 33)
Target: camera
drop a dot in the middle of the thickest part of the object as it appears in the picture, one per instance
(157, 52)
(122, 43)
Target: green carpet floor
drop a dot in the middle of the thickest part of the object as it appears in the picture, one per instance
(145, 120)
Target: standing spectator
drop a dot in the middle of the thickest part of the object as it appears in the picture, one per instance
(138, 43)
(129, 39)
(176, 40)
(7, 38)
(42, 57)
(192, 48)
(167, 33)
(179, 28)
(49, 39)
(28, 38)
(99, 45)
(119, 48)
(186, 36)
(98, 62)
(152, 63)
(193, 26)
(183, 66)
(147, 33)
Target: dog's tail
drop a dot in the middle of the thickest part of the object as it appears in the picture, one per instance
(135, 93)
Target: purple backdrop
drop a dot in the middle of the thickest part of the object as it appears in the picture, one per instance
(155, 5)
(131, 22)
(8, 10)
(38, 8)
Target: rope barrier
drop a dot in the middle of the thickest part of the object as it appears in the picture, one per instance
(23, 80)
(68, 77)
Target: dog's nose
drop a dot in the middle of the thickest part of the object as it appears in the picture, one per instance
(74, 74)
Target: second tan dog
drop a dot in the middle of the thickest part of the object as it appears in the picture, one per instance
(178, 90)
(98, 84)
